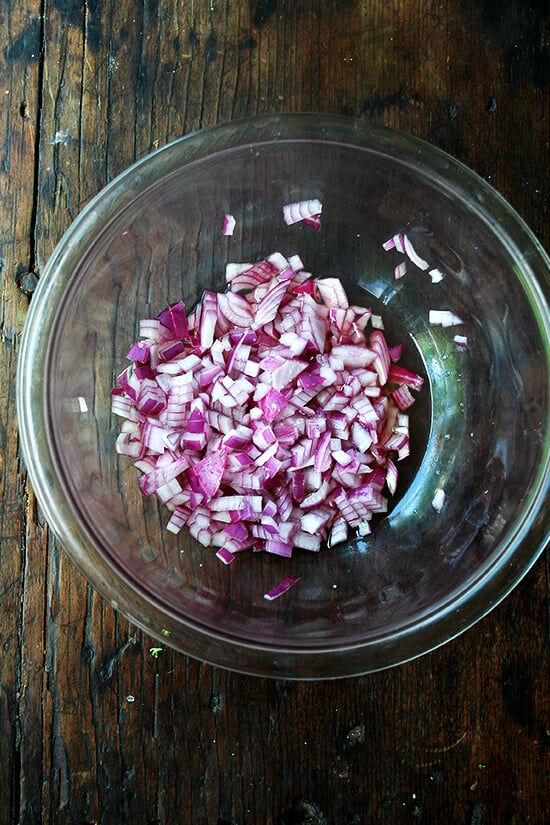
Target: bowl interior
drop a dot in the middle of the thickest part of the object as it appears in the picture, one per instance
(479, 427)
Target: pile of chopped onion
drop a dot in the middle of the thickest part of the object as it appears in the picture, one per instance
(272, 417)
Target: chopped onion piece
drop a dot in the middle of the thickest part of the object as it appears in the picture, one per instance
(305, 541)
(267, 419)
(413, 255)
(269, 304)
(461, 341)
(332, 292)
(400, 375)
(399, 242)
(308, 211)
(436, 275)
(391, 476)
(400, 270)
(209, 317)
(444, 317)
(438, 500)
(278, 547)
(338, 532)
(175, 320)
(225, 556)
(228, 225)
(403, 397)
(282, 587)
(396, 352)
(232, 269)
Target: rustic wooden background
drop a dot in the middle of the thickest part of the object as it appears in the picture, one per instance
(93, 727)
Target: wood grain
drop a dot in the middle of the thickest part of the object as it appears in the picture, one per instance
(93, 727)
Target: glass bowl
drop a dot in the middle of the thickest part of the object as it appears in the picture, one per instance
(480, 429)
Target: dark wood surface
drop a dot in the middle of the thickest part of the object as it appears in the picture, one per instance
(93, 727)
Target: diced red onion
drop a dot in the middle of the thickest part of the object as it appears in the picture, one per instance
(153, 437)
(396, 352)
(305, 541)
(223, 553)
(332, 292)
(338, 532)
(140, 351)
(278, 547)
(150, 482)
(249, 278)
(400, 270)
(308, 210)
(399, 242)
(361, 437)
(206, 475)
(352, 356)
(400, 375)
(177, 520)
(128, 383)
(152, 329)
(287, 373)
(282, 587)
(235, 268)
(436, 275)
(403, 397)
(413, 255)
(174, 319)
(404, 451)
(391, 476)
(209, 317)
(168, 492)
(151, 399)
(314, 520)
(298, 454)
(129, 445)
(235, 308)
(228, 224)
(402, 243)
(122, 405)
(273, 403)
(382, 360)
(238, 503)
(296, 263)
(444, 317)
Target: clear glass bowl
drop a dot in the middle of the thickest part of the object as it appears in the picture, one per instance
(480, 429)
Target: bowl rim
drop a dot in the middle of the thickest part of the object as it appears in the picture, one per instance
(495, 581)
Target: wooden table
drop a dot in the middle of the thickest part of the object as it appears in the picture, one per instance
(93, 727)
